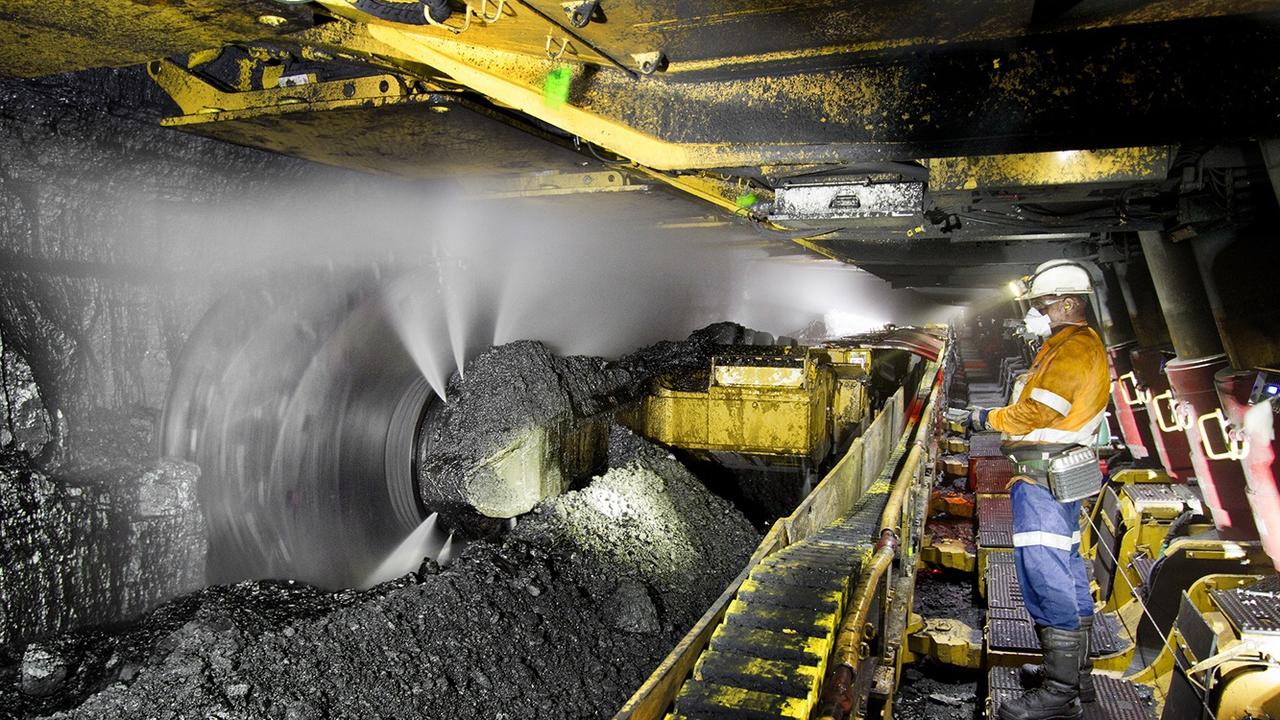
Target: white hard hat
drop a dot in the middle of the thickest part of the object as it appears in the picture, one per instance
(1058, 277)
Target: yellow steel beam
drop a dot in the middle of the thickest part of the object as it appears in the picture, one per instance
(515, 80)
(544, 184)
(201, 102)
(1066, 167)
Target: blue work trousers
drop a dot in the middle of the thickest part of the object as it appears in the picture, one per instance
(1046, 552)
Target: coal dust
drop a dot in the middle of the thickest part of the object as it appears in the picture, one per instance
(594, 275)
(371, 286)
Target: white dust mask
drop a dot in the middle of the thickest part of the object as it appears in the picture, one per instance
(1037, 323)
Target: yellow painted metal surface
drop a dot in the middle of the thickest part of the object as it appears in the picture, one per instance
(833, 497)
(779, 409)
(849, 405)
(506, 26)
(442, 137)
(1129, 476)
(200, 101)
(43, 37)
(1159, 674)
(1067, 167)
(1146, 525)
(948, 641)
(949, 554)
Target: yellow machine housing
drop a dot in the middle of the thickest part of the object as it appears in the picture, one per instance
(792, 406)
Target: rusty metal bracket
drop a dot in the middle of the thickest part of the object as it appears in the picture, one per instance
(200, 101)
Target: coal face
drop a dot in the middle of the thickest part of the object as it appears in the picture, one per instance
(562, 619)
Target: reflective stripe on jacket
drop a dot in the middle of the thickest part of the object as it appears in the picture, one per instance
(1065, 396)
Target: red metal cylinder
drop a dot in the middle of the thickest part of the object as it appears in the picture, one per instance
(1255, 427)
(1170, 442)
(1220, 477)
(1131, 410)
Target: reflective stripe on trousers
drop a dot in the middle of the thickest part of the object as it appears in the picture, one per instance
(1046, 553)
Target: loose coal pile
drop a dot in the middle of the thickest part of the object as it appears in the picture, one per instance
(564, 618)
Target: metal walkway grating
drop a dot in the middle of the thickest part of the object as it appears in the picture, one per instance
(1254, 608)
(1010, 628)
(984, 444)
(1117, 699)
(990, 474)
(995, 522)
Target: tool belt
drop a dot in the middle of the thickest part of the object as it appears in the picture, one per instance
(1071, 474)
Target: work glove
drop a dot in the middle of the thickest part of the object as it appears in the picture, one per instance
(959, 416)
(977, 420)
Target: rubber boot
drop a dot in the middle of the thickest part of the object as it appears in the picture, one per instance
(1057, 697)
(1032, 675)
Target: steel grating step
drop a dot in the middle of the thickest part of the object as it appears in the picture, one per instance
(1152, 493)
(1002, 587)
(990, 474)
(1012, 635)
(1254, 608)
(995, 508)
(995, 522)
(984, 444)
(995, 537)
(1012, 630)
(1142, 566)
(1117, 699)
(1009, 613)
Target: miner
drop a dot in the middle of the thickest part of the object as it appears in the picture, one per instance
(1048, 433)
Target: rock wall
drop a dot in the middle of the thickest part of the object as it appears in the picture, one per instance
(94, 306)
(96, 294)
(25, 425)
(76, 553)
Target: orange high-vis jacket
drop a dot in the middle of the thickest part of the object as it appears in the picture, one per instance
(1065, 396)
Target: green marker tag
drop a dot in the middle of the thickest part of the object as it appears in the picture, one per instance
(555, 89)
(747, 200)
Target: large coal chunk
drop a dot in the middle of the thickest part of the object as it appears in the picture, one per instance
(649, 516)
(520, 425)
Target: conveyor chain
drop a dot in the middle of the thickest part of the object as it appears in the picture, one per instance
(769, 656)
